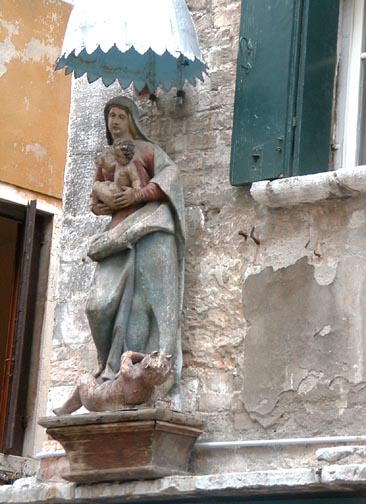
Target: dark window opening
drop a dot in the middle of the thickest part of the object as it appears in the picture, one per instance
(21, 242)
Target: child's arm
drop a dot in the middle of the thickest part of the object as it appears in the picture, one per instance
(134, 177)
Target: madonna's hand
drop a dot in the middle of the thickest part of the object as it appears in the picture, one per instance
(126, 198)
(101, 209)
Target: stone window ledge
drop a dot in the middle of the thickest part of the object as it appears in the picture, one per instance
(299, 481)
(13, 467)
(292, 191)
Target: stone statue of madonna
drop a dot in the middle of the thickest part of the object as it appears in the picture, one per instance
(135, 301)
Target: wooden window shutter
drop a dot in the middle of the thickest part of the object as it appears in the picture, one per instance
(16, 410)
(284, 88)
(318, 59)
(264, 96)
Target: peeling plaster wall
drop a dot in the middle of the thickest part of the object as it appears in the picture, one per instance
(313, 379)
(273, 326)
(35, 104)
(35, 100)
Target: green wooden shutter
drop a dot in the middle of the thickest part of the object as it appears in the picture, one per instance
(264, 100)
(284, 88)
(316, 84)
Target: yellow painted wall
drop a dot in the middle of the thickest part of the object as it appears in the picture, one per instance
(35, 100)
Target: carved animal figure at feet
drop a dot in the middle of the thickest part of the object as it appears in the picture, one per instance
(134, 384)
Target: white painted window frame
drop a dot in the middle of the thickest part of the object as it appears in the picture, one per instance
(349, 110)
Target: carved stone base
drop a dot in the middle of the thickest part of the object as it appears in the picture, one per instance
(125, 445)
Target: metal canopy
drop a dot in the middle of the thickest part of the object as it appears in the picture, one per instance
(147, 42)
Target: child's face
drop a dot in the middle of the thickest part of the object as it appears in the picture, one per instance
(108, 160)
(121, 156)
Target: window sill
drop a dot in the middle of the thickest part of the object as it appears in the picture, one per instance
(341, 183)
(13, 467)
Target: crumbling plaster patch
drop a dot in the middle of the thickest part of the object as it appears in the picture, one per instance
(37, 150)
(7, 48)
(34, 50)
(303, 335)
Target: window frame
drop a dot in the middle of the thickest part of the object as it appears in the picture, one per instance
(350, 116)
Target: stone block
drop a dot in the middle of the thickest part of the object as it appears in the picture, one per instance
(125, 445)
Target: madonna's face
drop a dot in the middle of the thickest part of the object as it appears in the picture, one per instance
(119, 123)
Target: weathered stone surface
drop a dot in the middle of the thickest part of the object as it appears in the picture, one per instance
(13, 467)
(267, 457)
(339, 453)
(293, 481)
(31, 490)
(303, 323)
(52, 468)
(303, 383)
(311, 188)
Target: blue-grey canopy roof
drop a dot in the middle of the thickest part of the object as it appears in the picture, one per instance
(147, 42)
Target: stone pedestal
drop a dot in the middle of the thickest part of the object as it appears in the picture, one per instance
(125, 445)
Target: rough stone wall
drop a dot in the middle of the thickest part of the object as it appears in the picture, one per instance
(273, 323)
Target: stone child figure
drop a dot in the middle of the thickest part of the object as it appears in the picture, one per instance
(118, 171)
(135, 301)
(134, 383)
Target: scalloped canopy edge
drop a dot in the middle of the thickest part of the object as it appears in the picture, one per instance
(148, 69)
